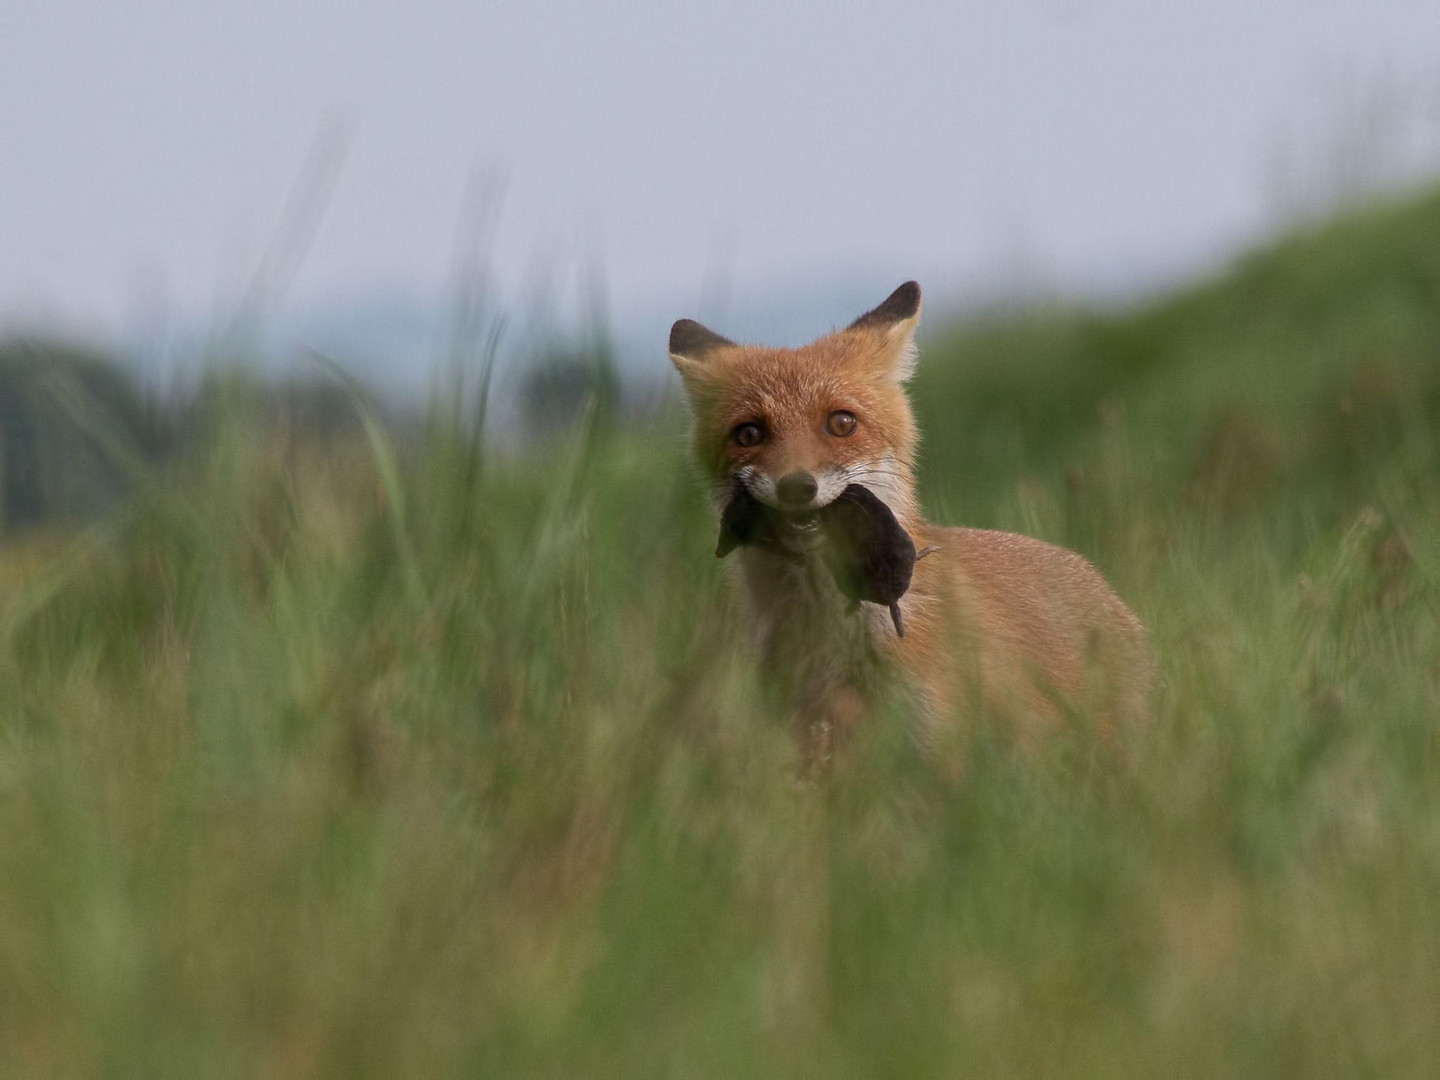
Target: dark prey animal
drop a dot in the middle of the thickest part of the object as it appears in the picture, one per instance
(866, 551)
(747, 522)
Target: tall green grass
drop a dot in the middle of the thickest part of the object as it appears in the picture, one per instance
(357, 760)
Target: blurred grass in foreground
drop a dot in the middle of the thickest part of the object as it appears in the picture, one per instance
(308, 768)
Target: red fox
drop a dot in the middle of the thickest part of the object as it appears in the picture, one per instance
(990, 621)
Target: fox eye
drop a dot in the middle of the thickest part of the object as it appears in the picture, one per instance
(841, 423)
(749, 435)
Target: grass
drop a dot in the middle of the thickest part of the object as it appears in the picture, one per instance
(456, 764)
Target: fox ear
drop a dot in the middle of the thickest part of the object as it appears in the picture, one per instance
(895, 321)
(691, 341)
(690, 346)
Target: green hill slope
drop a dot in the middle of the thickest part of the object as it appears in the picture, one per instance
(1307, 362)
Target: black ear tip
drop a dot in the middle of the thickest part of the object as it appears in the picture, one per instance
(905, 301)
(681, 332)
(689, 338)
(902, 304)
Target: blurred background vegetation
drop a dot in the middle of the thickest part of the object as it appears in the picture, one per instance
(340, 739)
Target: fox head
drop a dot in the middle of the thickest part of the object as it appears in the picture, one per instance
(795, 427)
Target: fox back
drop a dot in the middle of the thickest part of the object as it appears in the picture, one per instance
(996, 623)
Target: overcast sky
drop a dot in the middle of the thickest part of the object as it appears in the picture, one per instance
(706, 156)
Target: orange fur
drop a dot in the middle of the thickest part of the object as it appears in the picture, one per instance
(996, 622)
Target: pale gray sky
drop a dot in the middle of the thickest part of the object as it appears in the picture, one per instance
(147, 151)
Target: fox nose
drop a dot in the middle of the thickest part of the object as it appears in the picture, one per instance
(796, 489)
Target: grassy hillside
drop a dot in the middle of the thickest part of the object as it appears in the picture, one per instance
(337, 762)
